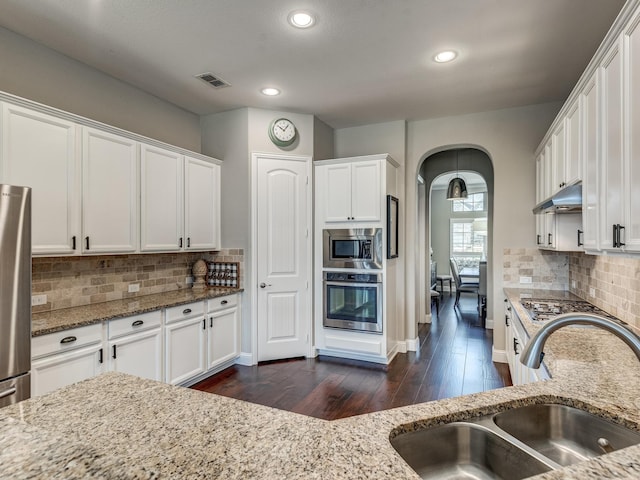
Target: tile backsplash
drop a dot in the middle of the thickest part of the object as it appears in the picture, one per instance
(615, 282)
(75, 281)
(548, 270)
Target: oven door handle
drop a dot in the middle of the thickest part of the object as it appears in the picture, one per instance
(333, 283)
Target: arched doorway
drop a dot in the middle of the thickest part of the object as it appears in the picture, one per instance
(444, 161)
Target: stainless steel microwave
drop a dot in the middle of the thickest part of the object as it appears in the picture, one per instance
(352, 248)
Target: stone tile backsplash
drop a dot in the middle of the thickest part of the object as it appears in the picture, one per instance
(615, 282)
(75, 281)
(548, 270)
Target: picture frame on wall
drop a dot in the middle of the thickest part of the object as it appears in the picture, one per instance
(392, 226)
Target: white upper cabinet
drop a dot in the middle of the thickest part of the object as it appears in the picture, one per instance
(558, 144)
(352, 191)
(109, 193)
(632, 134)
(590, 188)
(612, 145)
(161, 200)
(573, 164)
(40, 151)
(202, 204)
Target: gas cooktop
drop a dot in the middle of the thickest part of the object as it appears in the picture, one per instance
(544, 310)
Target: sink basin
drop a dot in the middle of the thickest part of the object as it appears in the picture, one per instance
(465, 450)
(564, 434)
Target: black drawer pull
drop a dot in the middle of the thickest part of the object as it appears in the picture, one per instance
(73, 242)
(188, 242)
(70, 339)
(137, 323)
(224, 302)
(180, 242)
(86, 240)
(100, 359)
(114, 352)
(186, 311)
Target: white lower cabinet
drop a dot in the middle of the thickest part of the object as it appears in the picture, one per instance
(185, 337)
(223, 342)
(135, 345)
(63, 358)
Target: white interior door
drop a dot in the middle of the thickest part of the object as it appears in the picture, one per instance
(283, 255)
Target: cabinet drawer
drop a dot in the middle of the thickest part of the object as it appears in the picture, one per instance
(181, 312)
(220, 303)
(137, 323)
(65, 340)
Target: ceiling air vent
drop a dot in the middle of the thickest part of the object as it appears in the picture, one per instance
(211, 79)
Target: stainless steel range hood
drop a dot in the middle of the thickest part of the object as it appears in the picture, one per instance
(567, 200)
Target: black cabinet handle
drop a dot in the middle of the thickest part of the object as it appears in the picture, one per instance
(137, 323)
(204, 323)
(70, 339)
(224, 302)
(620, 242)
(211, 322)
(538, 239)
(515, 346)
(100, 359)
(73, 242)
(86, 242)
(186, 311)
(188, 242)
(615, 236)
(180, 242)
(549, 239)
(114, 355)
(506, 320)
(580, 242)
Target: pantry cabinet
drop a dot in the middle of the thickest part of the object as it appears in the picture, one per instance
(40, 151)
(109, 193)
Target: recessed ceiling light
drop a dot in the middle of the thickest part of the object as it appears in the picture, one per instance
(300, 19)
(270, 91)
(445, 56)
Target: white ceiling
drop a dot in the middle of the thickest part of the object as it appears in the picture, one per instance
(365, 61)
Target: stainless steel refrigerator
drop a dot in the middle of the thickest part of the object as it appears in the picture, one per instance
(15, 294)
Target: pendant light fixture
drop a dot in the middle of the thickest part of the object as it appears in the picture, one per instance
(457, 189)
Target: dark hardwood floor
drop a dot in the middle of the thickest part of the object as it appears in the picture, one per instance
(454, 359)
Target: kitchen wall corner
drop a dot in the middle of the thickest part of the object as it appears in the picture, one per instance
(75, 281)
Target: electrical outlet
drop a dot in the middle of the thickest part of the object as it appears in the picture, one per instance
(525, 279)
(134, 287)
(592, 292)
(38, 300)
(188, 280)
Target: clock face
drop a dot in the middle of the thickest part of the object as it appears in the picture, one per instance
(282, 132)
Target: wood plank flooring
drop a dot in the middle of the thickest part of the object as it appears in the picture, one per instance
(454, 359)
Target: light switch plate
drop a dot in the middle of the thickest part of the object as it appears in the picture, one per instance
(134, 287)
(525, 279)
(592, 292)
(38, 300)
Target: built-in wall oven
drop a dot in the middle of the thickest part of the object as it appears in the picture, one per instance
(353, 301)
(359, 248)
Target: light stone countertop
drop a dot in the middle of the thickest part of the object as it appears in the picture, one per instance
(57, 320)
(144, 429)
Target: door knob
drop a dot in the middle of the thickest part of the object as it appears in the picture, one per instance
(264, 285)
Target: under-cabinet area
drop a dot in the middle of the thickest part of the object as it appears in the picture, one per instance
(178, 344)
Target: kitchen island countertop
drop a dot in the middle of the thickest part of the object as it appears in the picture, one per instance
(136, 428)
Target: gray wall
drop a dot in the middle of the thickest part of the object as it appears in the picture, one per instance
(323, 142)
(35, 72)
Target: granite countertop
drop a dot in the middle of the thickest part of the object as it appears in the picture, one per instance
(66, 318)
(138, 428)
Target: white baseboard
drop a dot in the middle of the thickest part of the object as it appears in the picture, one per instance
(489, 324)
(499, 356)
(245, 359)
(412, 344)
(354, 356)
(401, 347)
(426, 319)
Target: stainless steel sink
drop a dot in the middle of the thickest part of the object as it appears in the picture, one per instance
(465, 450)
(513, 444)
(564, 434)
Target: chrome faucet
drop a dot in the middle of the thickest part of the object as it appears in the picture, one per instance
(532, 354)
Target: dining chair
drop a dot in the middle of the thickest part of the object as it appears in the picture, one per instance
(461, 287)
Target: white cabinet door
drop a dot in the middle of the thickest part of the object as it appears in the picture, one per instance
(632, 135)
(612, 136)
(139, 354)
(185, 353)
(337, 192)
(161, 200)
(62, 369)
(573, 164)
(548, 171)
(366, 197)
(224, 337)
(109, 192)
(558, 146)
(202, 205)
(39, 151)
(590, 187)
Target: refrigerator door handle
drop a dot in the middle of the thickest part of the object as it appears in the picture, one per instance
(8, 392)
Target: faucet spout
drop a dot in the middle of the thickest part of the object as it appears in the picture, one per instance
(532, 353)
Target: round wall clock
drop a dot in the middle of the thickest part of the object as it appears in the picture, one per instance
(282, 132)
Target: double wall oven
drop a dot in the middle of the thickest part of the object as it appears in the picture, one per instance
(353, 288)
